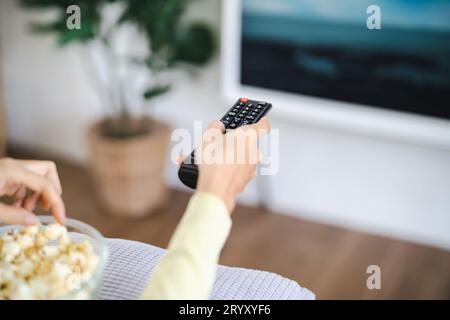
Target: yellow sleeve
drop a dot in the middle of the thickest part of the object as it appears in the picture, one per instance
(188, 268)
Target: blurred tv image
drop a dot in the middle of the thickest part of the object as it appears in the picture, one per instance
(324, 48)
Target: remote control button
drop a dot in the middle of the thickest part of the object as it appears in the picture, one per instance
(227, 118)
(250, 118)
(245, 122)
(263, 104)
(233, 126)
(244, 100)
(244, 111)
(232, 114)
(254, 114)
(225, 123)
(235, 110)
(237, 120)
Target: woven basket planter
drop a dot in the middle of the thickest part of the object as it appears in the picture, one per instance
(128, 174)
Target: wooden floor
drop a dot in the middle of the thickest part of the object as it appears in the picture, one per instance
(330, 261)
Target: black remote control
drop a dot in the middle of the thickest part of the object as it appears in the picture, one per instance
(243, 112)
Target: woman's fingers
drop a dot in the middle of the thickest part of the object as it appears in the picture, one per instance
(46, 169)
(30, 202)
(180, 159)
(262, 126)
(48, 194)
(19, 196)
(53, 176)
(15, 215)
(216, 124)
(20, 193)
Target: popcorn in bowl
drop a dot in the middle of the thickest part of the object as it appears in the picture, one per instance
(44, 262)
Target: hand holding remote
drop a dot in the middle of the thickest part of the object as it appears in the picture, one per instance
(243, 113)
(228, 179)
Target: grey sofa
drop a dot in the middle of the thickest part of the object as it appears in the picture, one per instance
(130, 265)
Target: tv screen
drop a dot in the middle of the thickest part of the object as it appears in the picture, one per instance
(324, 48)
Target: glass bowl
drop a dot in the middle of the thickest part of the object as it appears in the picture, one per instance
(78, 231)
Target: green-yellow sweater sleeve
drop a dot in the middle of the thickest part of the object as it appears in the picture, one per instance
(188, 268)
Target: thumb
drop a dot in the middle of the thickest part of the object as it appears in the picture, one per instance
(216, 124)
(14, 215)
(180, 159)
(262, 126)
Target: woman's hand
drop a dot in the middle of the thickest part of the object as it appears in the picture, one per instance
(41, 178)
(240, 156)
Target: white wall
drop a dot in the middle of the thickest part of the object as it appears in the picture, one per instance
(374, 185)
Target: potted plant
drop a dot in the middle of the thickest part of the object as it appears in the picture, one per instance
(127, 148)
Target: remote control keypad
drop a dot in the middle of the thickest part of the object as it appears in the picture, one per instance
(245, 112)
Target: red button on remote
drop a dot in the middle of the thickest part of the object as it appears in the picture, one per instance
(244, 100)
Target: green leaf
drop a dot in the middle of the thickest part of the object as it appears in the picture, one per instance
(56, 26)
(88, 31)
(173, 42)
(155, 91)
(89, 19)
(68, 36)
(194, 44)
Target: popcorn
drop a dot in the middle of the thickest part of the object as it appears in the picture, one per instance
(41, 240)
(39, 287)
(77, 258)
(7, 237)
(10, 250)
(25, 241)
(31, 230)
(20, 290)
(64, 241)
(43, 262)
(25, 269)
(49, 251)
(61, 270)
(54, 231)
(6, 275)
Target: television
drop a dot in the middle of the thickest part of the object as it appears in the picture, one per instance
(318, 61)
